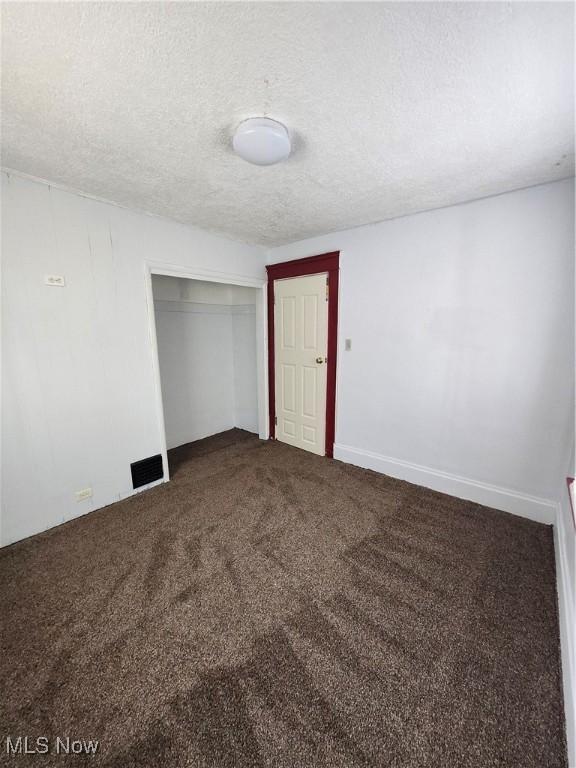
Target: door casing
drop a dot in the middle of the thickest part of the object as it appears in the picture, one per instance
(312, 265)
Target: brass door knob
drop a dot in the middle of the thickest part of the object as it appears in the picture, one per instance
(319, 359)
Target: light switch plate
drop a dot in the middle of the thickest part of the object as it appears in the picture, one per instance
(347, 345)
(55, 280)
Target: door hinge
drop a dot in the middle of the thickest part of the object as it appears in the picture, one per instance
(276, 420)
(326, 289)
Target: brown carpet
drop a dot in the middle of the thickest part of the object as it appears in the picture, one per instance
(273, 608)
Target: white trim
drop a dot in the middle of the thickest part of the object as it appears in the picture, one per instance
(262, 362)
(208, 275)
(567, 621)
(532, 507)
(156, 369)
(213, 276)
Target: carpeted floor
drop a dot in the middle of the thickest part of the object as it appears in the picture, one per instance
(269, 607)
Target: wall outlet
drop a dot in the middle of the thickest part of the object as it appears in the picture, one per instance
(85, 493)
(56, 280)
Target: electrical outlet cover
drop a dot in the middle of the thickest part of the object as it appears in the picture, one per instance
(55, 280)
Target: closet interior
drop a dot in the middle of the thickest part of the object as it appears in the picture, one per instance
(206, 336)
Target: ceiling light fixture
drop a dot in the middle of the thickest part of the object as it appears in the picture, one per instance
(262, 141)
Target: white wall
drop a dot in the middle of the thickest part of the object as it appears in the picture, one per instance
(207, 352)
(197, 370)
(461, 370)
(79, 398)
(461, 373)
(460, 321)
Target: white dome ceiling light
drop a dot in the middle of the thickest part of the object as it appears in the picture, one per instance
(262, 141)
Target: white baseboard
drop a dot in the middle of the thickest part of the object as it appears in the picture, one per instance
(532, 507)
(567, 619)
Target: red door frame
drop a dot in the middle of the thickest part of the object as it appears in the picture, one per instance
(312, 265)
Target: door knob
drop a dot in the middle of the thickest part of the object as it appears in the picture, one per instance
(319, 359)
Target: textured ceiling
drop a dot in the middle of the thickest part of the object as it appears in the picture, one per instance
(394, 107)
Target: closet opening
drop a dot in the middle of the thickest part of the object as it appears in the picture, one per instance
(209, 338)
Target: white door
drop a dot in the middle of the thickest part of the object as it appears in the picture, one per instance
(300, 349)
